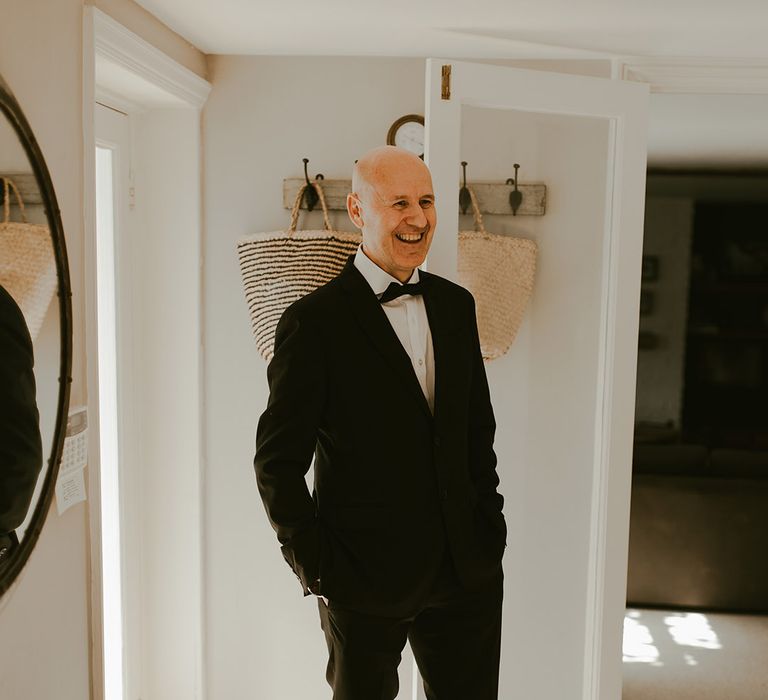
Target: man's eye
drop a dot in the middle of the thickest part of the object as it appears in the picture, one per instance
(426, 203)
(401, 204)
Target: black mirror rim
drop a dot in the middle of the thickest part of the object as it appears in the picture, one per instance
(11, 109)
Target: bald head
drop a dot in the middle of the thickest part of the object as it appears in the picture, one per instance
(383, 166)
(392, 203)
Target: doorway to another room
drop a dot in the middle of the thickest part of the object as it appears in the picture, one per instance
(697, 618)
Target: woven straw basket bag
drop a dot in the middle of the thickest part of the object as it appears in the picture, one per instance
(279, 267)
(499, 270)
(27, 263)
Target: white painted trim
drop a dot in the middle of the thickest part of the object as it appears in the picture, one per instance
(595, 618)
(699, 76)
(95, 610)
(119, 45)
(115, 100)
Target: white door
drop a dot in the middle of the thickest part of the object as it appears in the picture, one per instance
(564, 394)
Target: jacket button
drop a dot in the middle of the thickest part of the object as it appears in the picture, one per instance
(437, 441)
(444, 494)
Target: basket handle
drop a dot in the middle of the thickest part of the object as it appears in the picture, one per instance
(9, 184)
(321, 196)
(478, 217)
(297, 205)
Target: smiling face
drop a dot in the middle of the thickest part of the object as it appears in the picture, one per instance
(393, 204)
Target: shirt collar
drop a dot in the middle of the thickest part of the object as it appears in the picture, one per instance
(377, 278)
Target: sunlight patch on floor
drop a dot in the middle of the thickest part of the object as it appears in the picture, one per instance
(638, 641)
(692, 630)
(685, 629)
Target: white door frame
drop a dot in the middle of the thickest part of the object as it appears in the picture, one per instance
(112, 132)
(104, 39)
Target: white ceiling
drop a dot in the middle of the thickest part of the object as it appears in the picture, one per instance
(684, 129)
(471, 28)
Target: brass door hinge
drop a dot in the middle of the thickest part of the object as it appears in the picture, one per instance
(446, 82)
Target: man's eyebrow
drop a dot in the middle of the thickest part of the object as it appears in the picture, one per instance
(429, 195)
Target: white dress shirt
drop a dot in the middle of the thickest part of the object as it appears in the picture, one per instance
(408, 317)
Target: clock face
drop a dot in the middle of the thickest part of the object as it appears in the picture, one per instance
(410, 136)
(408, 133)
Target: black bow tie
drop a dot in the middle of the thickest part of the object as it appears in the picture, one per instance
(395, 290)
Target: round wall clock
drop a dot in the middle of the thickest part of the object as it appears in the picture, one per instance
(408, 133)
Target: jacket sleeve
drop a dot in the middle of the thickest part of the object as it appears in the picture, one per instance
(21, 453)
(482, 430)
(285, 442)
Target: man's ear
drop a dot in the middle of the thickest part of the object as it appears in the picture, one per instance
(354, 210)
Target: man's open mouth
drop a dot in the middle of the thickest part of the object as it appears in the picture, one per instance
(410, 237)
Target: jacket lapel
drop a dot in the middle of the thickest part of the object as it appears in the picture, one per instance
(442, 325)
(374, 321)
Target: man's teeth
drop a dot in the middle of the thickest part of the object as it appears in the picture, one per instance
(409, 236)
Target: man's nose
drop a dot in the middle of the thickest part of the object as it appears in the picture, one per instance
(415, 216)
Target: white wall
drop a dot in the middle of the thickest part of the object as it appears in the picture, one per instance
(165, 280)
(708, 131)
(12, 156)
(44, 624)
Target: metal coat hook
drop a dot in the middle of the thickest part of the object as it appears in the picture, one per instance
(515, 197)
(311, 197)
(464, 197)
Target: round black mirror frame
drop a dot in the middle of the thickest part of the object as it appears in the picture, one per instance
(10, 108)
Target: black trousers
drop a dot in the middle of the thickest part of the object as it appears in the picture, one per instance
(455, 637)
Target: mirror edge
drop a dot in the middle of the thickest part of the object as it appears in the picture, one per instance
(11, 109)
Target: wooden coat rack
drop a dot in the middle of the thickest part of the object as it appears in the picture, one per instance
(492, 197)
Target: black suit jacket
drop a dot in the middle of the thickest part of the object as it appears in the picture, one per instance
(21, 453)
(393, 485)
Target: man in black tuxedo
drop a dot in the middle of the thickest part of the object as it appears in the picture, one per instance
(379, 375)
(21, 451)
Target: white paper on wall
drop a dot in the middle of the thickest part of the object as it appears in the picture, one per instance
(70, 484)
(70, 489)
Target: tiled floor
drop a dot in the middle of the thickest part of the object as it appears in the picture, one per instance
(695, 656)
